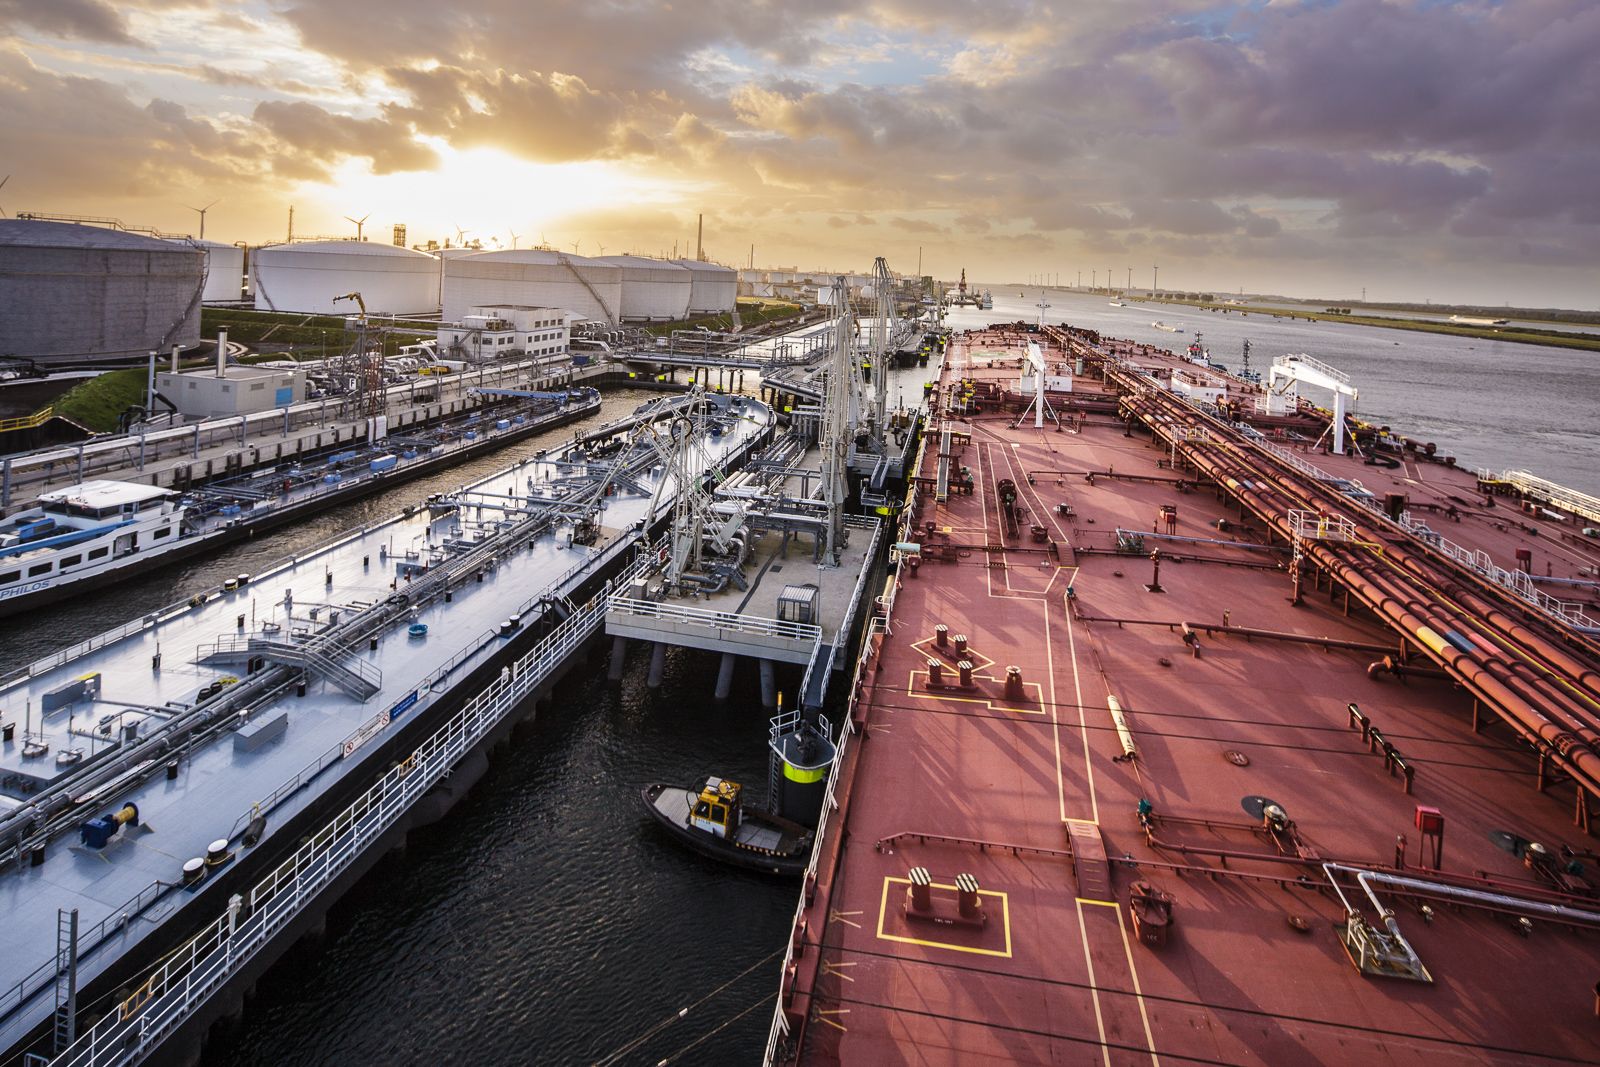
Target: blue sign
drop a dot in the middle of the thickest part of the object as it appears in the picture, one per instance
(404, 706)
(283, 397)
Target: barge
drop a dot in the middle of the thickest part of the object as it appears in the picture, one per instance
(277, 737)
(109, 530)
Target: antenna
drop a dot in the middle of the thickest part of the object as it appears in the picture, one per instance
(361, 222)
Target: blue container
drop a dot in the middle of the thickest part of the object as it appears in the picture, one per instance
(332, 479)
(471, 435)
(409, 453)
(418, 629)
(384, 463)
(340, 457)
(503, 424)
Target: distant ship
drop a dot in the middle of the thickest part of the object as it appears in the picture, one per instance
(1118, 304)
(1158, 324)
(1463, 320)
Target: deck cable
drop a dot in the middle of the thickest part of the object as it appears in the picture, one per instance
(630, 1046)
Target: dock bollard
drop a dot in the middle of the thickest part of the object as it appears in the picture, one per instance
(965, 667)
(961, 644)
(1014, 689)
(941, 635)
(935, 672)
(921, 890)
(967, 895)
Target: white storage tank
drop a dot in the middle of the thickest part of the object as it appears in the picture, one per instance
(534, 277)
(70, 291)
(715, 287)
(224, 272)
(653, 290)
(306, 276)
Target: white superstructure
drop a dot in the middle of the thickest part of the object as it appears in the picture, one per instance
(82, 529)
(224, 271)
(306, 276)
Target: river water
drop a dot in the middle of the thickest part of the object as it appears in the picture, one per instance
(545, 920)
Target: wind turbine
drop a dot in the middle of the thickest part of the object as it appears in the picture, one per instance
(359, 223)
(2, 186)
(461, 237)
(515, 237)
(201, 211)
(575, 245)
(544, 242)
(601, 247)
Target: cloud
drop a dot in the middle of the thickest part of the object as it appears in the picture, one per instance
(90, 20)
(313, 140)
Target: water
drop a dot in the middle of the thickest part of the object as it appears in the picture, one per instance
(1488, 403)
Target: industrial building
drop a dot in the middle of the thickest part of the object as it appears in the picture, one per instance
(498, 331)
(532, 277)
(306, 276)
(714, 288)
(653, 290)
(231, 390)
(70, 292)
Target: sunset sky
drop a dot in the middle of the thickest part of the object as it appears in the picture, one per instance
(1418, 148)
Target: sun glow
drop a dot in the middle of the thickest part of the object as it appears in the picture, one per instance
(484, 191)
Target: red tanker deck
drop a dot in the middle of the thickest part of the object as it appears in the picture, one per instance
(1110, 795)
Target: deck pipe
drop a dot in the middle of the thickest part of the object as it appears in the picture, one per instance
(1553, 717)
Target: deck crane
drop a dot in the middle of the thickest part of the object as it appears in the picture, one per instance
(1302, 368)
(1040, 406)
(360, 303)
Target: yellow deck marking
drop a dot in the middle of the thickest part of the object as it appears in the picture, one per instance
(973, 655)
(1005, 914)
(1083, 725)
(1094, 989)
(1138, 994)
(839, 916)
(914, 690)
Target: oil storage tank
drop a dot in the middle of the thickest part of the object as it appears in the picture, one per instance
(653, 290)
(533, 277)
(224, 272)
(70, 291)
(714, 288)
(307, 275)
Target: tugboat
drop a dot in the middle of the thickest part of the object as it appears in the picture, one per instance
(713, 820)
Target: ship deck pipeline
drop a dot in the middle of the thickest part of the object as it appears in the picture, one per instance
(253, 880)
(1539, 674)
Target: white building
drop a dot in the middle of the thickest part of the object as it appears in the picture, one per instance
(237, 390)
(306, 276)
(502, 331)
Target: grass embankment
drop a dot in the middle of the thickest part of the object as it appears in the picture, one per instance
(1517, 335)
(97, 402)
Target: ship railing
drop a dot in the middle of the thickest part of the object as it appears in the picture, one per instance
(186, 978)
(1516, 582)
(753, 625)
(877, 631)
(1558, 495)
(47, 973)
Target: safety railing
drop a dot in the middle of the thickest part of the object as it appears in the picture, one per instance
(1516, 582)
(29, 422)
(877, 629)
(187, 977)
(727, 621)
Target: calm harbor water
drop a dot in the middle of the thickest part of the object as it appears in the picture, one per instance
(545, 921)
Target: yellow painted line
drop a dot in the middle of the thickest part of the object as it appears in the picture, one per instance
(1094, 990)
(1138, 994)
(822, 1017)
(1101, 903)
(1083, 725)
(839, 916)
(912, 690)
(836, 969)
(1005, 913)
